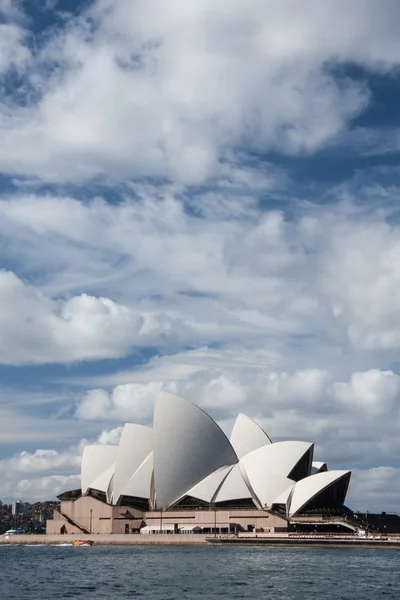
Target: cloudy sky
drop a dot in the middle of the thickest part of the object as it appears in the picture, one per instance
(203, 197)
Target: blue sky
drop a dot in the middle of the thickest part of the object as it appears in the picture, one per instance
(200, 197)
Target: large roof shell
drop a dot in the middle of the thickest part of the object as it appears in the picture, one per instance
(307, 489)
(96, 459)
(267, 470)
(247, 436)
(188, 446)
(207, 488)
(140, 482)
(135, 445)
(234, 487)
(280, 458)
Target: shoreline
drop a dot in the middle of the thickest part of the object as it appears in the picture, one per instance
(200, 540)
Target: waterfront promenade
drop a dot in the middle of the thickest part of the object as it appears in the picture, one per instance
(203, 539)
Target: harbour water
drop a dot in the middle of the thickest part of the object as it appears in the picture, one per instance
(191, 573)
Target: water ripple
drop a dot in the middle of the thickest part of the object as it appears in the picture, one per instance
(190, 573)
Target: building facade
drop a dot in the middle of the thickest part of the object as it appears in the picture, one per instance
(184, 474)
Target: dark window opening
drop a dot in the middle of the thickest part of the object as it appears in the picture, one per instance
(135, 502)
(189, 502)
(239, 503)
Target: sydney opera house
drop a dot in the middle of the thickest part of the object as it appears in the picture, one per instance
(183, 475)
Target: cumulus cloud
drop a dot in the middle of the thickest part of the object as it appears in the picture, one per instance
(35, 489)
(36, 329)
(133, 89)
(129, 402)
(45, 473)
(361, 277)
(330, 274)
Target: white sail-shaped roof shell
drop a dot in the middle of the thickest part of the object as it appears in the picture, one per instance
(318, 467)
(266, 487)
(208, 488)
(140, 482)
(188, 446)
(247, 436)
(103, 483)
(96, 459)
(280, 458)
(234, 487)
(307, 489)
(135, 445)
(284, 497)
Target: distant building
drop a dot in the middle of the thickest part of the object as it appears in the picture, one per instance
(185, 475)
(19, 508)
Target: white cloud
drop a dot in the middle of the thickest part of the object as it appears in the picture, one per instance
(41, 461)
(10, 9)
(13, 53)
(45, 473)
(361, 276)
(375, 392)
(129, 402)
(35, 489)
(36, 329)
(133, 89)
(331, 275)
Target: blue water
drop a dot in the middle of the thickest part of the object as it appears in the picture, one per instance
(206, 573)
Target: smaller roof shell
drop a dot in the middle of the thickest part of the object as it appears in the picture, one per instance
(307, 489)
(96, 459)
(247, 436)
(207, 488)
(103, 481)
(279, 458)
(318, 467)
(135, 445)
(234, 487)
(284, 497)
(267, 487)
(140, 482)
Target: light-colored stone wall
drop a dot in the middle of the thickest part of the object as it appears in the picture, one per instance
(259, 519)
(93, 515)
(59, 525)
(100, 518)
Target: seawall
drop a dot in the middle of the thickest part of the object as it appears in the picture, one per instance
(108, 539)
(202, 540)
(313, 541)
